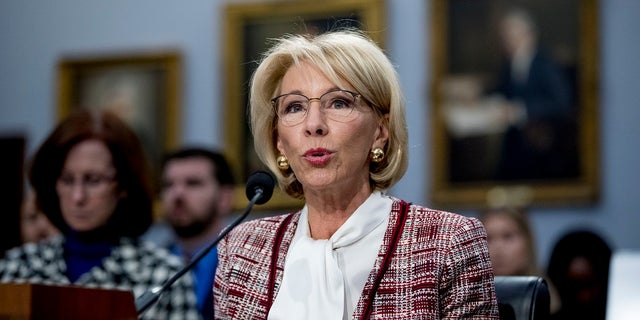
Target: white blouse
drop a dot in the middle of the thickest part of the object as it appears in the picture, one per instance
(323, 279)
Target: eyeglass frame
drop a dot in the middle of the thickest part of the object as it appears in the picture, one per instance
(90, 183)
(356, 96)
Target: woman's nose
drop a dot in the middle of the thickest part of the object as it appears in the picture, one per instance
(78, 192)
(316, 120)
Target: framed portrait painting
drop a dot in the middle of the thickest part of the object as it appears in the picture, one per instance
(514, 98)
(142, 88)
(249, 29)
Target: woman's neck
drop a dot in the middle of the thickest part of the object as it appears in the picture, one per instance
(327, 212)
(99, 235)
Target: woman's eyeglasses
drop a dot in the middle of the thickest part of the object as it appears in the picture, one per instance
(91, 182)
(337, 105)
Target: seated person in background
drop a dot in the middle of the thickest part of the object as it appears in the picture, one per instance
(328, 119)
(34, 225)
(579, 267)
(90, 179)
(510, 240)
(512, 246)
(197, 195)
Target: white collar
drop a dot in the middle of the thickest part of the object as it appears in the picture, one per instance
(323, 278)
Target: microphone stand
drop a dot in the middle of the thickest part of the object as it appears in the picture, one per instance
(146, 300)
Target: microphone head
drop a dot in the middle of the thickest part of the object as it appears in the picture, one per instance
(260, 180)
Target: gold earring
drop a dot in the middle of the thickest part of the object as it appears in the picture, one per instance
(283, 162)
(377, 154)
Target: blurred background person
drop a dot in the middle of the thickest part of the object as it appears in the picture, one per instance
(512, 246)
(579, 268)
(197, 197)
(537, 105)
(34, 225)
(90, 178)
(510, 242)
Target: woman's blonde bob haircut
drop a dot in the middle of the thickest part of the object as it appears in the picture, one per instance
(344, 57)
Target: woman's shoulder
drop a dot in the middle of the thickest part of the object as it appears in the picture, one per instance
(422, 215)
(35, 249)
(146, 252)
(433, 227)
(31, 258)
(266, 225)
(254, 234)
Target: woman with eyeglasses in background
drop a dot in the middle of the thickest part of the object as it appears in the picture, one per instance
(91, 180)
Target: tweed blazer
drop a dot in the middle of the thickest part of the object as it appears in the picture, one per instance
(131, 266)
(431, 265)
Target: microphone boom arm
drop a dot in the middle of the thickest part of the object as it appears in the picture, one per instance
(146, 300)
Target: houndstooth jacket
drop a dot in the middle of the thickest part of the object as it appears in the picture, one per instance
(431, 265)
(131, 266)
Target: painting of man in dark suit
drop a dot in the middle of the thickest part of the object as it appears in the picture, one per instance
(515, 94)
(538, 107)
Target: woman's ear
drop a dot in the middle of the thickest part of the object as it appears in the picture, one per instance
(279, 146)
(382, 133)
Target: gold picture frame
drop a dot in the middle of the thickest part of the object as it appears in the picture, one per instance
(248, 28)
(144, 88)
(473, 163)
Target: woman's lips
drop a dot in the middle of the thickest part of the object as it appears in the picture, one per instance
(317, 156)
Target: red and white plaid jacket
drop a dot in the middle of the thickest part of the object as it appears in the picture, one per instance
(438, 268)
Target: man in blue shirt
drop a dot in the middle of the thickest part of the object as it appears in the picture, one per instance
(197, 196)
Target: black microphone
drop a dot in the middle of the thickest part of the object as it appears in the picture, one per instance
(260, 185)
(260, 182)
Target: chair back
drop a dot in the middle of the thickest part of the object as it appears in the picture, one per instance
(522, 297)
